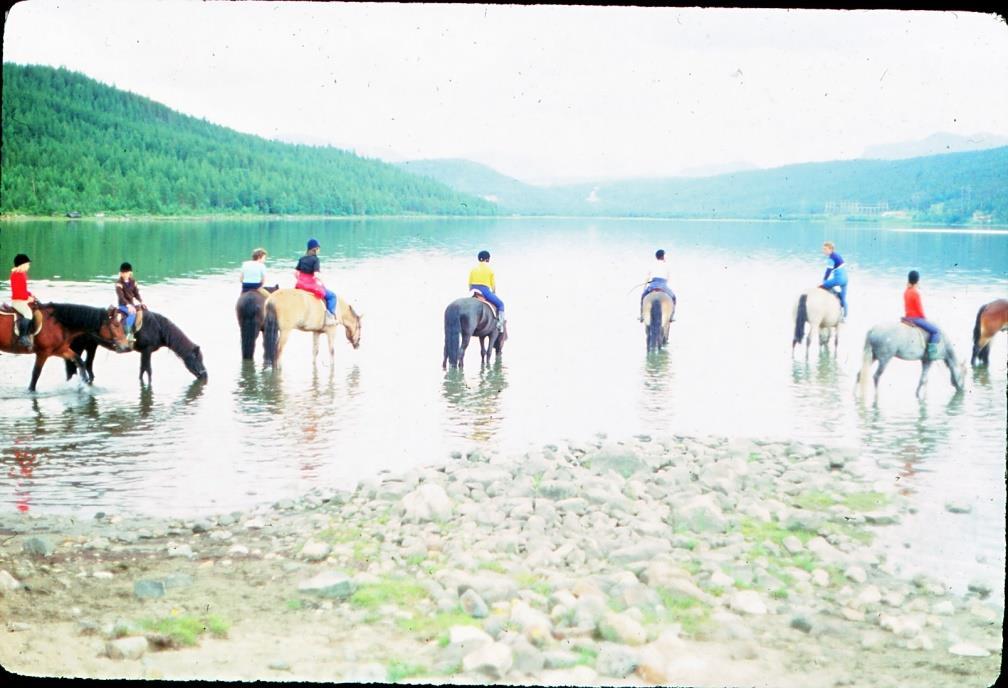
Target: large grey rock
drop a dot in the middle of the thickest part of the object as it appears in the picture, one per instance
(643, 550)
(617, 661)
(557, 489)
(968, 650)
(8, 583)
(329, 584)
(147, 589)
(622, 628)
(527, 659)
(38, 547)
(534, 625)
(620, 460)
(133, 647)
(748, 602)
(473, 605)
(429, 502)
(314, 550)
(702, 514)
(494, 660)
(559, 659)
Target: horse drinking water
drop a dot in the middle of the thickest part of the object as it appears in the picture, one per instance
(466, 318)
(821, 310)
(154, 331)
(908, 342)
(296, 309)
(991, 319)
(61, 323)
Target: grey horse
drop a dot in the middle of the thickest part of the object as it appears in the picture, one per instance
(908, 342)
(466, 318)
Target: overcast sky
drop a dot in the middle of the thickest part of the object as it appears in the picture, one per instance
(543, 93)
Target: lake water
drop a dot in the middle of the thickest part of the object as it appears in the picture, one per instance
(575, 364)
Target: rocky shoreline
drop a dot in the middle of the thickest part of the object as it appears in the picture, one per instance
(684, 561)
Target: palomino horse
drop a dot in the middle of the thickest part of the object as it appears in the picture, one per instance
(908, 342)
(821, 310)
(466, 318)
(157, 331)
(296, 309)
(658, 311)
(61, 323)
(251, 312)
(991, 319)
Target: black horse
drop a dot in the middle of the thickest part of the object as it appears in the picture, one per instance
(470, 317)
(156, 331)
(251, 317)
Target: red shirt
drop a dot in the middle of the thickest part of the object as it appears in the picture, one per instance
(912, 303)
(19, 286)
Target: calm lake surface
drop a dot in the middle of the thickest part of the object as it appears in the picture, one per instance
(575, 364)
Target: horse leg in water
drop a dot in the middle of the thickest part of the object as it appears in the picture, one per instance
(925, 367)
(284, 334)
(882, 363)
(465, 342)
(145, 366)
(314, 347)
(484, 352)
(331, 336)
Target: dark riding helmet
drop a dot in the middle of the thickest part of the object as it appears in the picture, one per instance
(659, 254)
(913, 277)
(125, 267)
(20, 259)
(483, 256)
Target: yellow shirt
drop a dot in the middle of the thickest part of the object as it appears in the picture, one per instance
(482, 274)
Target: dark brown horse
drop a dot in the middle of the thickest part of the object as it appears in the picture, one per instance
(157, 331)
(466, 318)
(991, 319)
(251, 313)
(62, 322)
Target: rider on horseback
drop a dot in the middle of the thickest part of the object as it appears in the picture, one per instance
(481, 279)
(835, 276)
(253, 274)
(21, 299)
(128, 294)
(307, 279)
(914, 313)
(657, 281)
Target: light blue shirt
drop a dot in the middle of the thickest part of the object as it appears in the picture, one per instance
(253, 272)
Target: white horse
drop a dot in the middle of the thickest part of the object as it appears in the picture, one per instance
(821, 310)
(908, 342)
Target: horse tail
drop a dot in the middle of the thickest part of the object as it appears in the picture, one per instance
(976, 334)
(800, 318)
(452, 334)
(655, 326)
(248, 321)
(271, 334)
(867, 358)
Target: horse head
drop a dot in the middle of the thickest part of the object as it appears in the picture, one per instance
(113, 329)
(956, 369)
(352, 326)
(194, 364)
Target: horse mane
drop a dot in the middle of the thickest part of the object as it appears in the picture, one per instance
(74, 316)
(172, 337)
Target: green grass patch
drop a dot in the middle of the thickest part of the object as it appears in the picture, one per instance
(415, 559)
(531, 581)
(295, 604)
(779, 594)
(401, 592)
(865, 501)
(336, 536)
(759, 531)
(185, 630)
(862, 535)
(753, 457)
(814, 501)
(586, 656)
(429, 628)
(398, 670)
(691, 614)
(494, 566)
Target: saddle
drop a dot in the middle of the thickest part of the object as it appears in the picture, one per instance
(920, 330)
(478, 295)
(38, 317)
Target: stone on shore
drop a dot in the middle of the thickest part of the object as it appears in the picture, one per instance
(329, 584)
(473, 605)
(494, 660)
(132, 647)
(748, 602)
(8, 583)
(38, 547)
(429, 502)
(315, 551)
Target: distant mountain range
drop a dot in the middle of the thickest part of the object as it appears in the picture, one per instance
(951, 188)
(935, 144)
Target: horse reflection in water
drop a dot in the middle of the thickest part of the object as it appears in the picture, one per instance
(656, 379)
(477, 408)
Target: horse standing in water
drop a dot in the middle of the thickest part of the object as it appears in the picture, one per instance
(61, 322)
(155, 331)
(297, 309)
(821, 310)
(991, 319)
(251, 312)
(658, 309)
(908, 342)
(469, 317)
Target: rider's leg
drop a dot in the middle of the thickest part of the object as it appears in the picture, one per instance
(24, 323)
(330, 300)
(933, 336)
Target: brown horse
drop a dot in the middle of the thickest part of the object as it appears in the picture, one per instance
(991, 319)
(61, 323)
(296, 309)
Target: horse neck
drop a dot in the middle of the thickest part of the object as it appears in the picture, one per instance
(172, 337)
(347, 316)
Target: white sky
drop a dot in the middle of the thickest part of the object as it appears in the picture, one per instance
(543, 93)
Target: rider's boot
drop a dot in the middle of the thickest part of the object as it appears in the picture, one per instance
(330, 319)
(932, 351)
(500, 323)
(25, 338)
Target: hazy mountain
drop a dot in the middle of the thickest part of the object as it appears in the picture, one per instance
(935, 144)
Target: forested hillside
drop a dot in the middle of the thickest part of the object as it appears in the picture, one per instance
(73, 144)
(952, 188)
